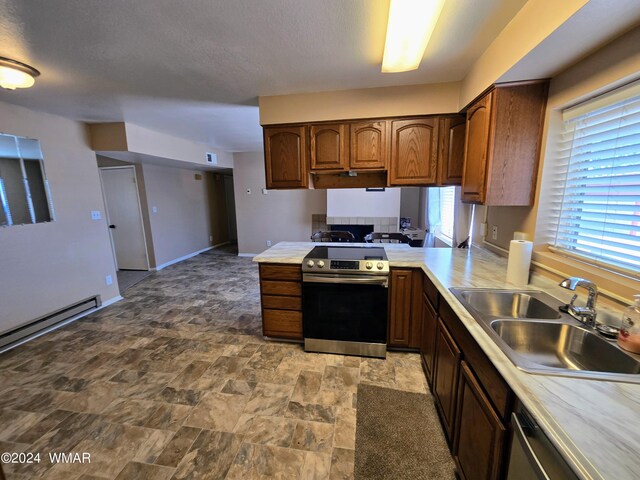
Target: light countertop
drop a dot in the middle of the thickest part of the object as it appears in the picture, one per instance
(594, 424)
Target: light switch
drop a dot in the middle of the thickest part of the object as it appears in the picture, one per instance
(96, 215)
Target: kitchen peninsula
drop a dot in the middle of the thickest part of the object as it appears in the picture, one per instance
(590, 422)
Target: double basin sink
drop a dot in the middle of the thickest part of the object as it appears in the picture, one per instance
(537, 338)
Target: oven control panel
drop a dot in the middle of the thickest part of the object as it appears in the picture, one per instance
(344, 265)
(348, 266)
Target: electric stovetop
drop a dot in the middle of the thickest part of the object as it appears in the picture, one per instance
(347, 253)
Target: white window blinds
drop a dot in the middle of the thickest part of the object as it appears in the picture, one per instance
(447, 201)
(598, 183)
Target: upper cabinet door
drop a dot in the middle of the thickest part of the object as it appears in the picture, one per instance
(451, 154)
(329, 147)
(285, 155)
(476, 150)
(368, 146)
(414, 152)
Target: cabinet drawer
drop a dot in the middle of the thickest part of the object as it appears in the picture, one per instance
(280, 272)
(282, 323)
(494, 385)
(281, 288)
(430, 291)
(281, 302)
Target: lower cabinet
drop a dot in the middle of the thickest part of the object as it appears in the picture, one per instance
(473, 400)
(405, 311)
(428, 337)
(445, 382)
(479, 439)
(281, 299)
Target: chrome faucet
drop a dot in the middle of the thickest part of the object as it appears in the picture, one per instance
(586, 314)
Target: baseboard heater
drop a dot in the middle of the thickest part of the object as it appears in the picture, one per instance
(49, 320)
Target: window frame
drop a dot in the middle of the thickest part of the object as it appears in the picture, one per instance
(28, 198)
(562, 167)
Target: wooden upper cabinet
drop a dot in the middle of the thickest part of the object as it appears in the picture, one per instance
(451, 150)
(329, 147)
(476, 149)
(285, 156)
(502, 145)
(368, 145)
(414, 152)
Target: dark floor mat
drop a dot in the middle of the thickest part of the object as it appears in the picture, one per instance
(398, 435)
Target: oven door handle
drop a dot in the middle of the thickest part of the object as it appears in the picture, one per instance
(381, 280)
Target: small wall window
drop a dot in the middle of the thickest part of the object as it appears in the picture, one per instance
(447, 205)
(24, 191)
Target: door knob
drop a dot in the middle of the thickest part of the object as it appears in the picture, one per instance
(112, 226)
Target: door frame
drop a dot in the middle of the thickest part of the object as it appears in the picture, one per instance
(106, 212)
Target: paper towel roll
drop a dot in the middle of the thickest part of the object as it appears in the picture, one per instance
(519, 262)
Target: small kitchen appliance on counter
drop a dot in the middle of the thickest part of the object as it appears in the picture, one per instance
(345, 299)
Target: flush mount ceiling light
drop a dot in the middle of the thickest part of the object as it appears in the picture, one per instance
(14, 74)
(411, 23)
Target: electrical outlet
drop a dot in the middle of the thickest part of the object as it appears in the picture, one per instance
(268, 243)
(108, 280)
(494, 232)
(483, 229)
(265, 191)
(96, 215)
(154, 209)
(211, 238)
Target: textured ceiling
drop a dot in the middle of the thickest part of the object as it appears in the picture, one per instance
(194, 68)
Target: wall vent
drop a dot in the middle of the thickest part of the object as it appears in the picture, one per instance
(212, 158)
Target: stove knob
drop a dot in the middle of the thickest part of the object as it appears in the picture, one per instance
(380, 265)
(310, 263)
(368, 265)
(320, 264)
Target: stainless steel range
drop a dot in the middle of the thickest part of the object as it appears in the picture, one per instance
(345, 300)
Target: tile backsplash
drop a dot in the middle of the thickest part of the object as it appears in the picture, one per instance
(320, 222)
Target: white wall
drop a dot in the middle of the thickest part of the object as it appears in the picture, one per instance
(48, 266)
(182, 223)
(410, 205)
(134, 144)
(357, 202)
(278, 216)
(395, 101)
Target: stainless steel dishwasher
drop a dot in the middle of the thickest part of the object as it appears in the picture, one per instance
(533, 456)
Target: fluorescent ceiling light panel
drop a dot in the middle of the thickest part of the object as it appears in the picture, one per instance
(411, 23)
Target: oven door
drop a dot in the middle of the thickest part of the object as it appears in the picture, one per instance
(345, 308)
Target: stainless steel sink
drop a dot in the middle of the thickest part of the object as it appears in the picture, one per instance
(564, 346)
(501, 303)
(537, 338)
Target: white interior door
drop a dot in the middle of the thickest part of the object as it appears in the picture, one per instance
(124, 217)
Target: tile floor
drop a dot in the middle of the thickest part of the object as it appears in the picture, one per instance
(176, 381)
